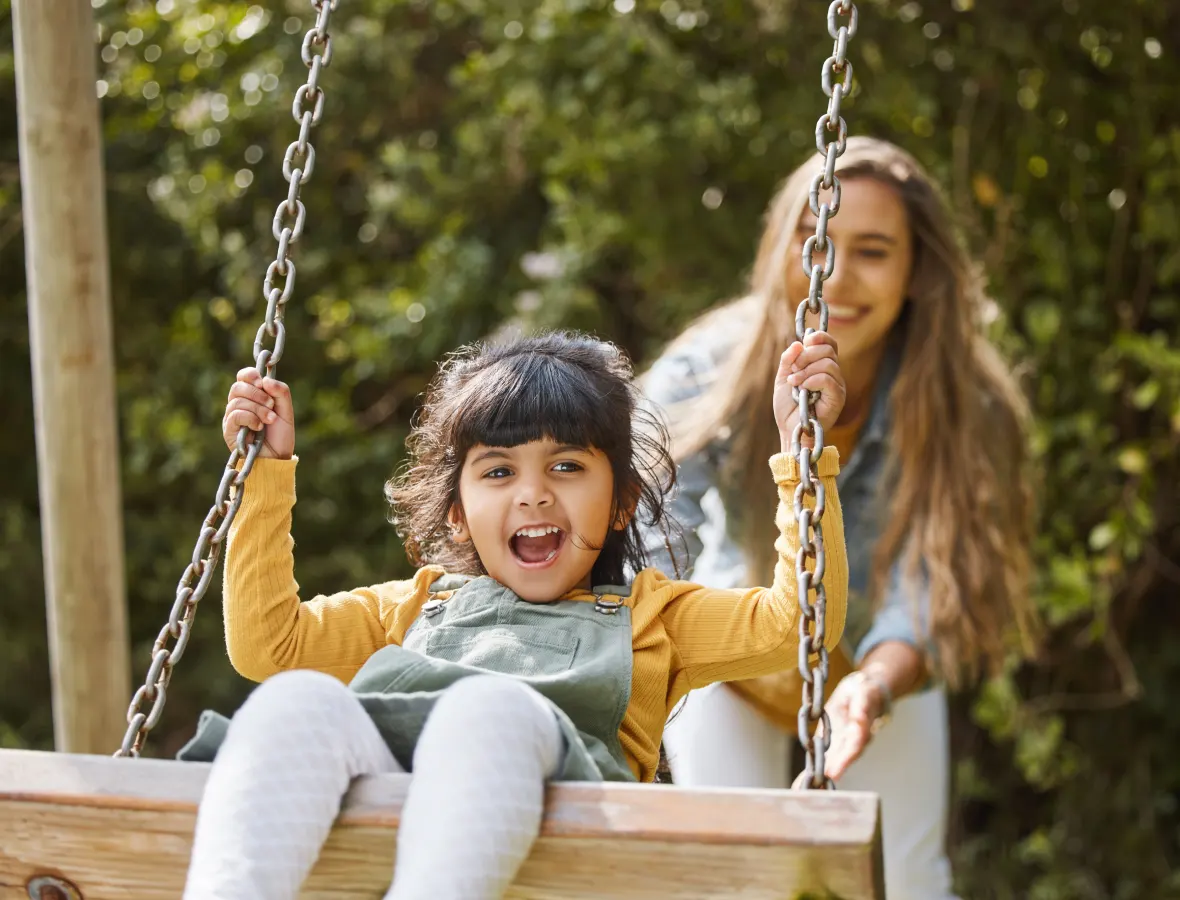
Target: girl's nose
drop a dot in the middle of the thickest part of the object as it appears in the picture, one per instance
(533, 492)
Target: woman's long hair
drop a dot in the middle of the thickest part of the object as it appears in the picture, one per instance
(959, 501)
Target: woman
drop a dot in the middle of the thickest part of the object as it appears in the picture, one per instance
(933, 485)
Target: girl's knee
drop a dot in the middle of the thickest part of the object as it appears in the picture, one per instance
(489, 688)
(493, 697)
(508, 720)
(295, 698)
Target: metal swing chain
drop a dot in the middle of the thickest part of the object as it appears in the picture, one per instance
(277, 286)
(831, 135)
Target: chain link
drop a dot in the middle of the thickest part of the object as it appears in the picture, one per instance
(831, 136)
(277, 287)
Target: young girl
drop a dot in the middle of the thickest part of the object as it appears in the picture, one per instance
(508, 660)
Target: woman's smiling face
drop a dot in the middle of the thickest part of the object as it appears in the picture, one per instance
(874, 257)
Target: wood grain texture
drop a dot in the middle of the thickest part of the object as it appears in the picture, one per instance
(64, 217)
(123, 829)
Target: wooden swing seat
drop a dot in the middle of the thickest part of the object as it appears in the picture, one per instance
(122, 828)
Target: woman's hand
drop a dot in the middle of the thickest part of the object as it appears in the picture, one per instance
(855, 705)
(255, 402)
(812, 365)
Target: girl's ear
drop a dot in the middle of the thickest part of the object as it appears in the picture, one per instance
(458, 525)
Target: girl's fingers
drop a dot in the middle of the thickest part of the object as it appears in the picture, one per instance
(246, 391)
(824, 385)
(823, 367)
(789, 357)
(811, 355)
(272, 387)
(281, 394)
(241, 418)
(812, 364)
(258, 410)
(818, 338)
(817, 345)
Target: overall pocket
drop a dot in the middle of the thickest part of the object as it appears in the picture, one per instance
(520, 650)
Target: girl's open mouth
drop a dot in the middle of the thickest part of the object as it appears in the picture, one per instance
(536, 547)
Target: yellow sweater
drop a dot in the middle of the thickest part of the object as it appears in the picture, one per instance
(684, 636)
(777, 697)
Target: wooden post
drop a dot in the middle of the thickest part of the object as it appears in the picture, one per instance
(66, 262)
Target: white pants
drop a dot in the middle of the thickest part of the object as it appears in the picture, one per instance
(718, 740)
(471, 814)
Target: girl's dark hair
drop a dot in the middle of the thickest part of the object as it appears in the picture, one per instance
(567, 387)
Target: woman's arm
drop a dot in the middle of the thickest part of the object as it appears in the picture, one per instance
(896, 669)
(891, 664)
(903, 615)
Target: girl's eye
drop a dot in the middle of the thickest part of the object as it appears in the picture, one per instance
(498, 472)
(567, 466)
(872, 253)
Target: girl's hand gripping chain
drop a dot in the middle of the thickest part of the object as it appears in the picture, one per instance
(812, 365)
(255, 402)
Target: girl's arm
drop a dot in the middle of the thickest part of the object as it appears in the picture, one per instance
(267, 628)
(731, 635)
(727, 635)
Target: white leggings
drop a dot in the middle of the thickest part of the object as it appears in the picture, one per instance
(471, 815)
(719, 740)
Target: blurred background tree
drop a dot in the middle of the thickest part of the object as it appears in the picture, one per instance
(605, 165)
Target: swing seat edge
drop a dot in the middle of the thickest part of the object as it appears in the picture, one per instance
(119, 828)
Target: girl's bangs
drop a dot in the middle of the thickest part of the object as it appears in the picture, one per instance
(533, 397)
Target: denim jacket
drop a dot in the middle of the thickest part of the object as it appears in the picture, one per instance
(714, 556)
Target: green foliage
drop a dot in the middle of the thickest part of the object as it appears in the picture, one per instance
(605, 166)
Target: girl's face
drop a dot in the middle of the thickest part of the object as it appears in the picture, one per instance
(536, 513)
(874, 254)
